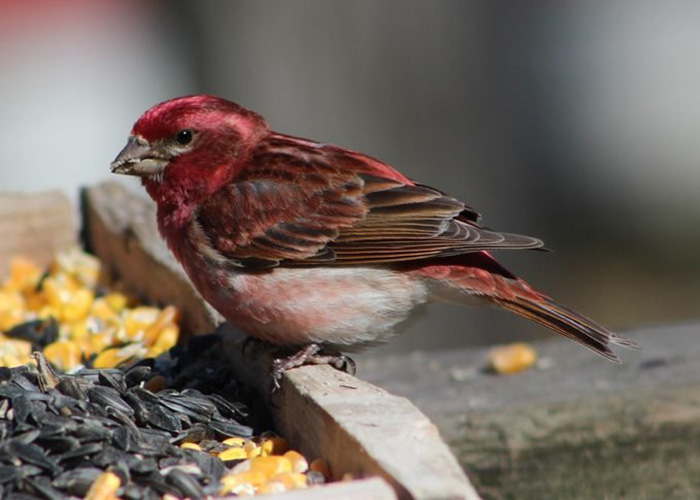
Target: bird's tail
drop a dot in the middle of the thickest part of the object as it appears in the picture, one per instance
(566, 322)
(480, 275)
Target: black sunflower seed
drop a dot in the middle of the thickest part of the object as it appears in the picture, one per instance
(9, 473)
(185, 484)
(22, 408)
(231, 429)
(164, 419)
(83, 451)
(109, 380)
(106, 397)
(76, 481)
(32, 454)
(71, 387)
(143, 466)
(210, 466)
(136, 375)
(42, 486)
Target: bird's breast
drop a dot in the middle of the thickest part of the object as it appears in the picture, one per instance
(343, 306)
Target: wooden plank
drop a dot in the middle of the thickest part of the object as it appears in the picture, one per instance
(578, 427)
(359, 428)
(36, 226)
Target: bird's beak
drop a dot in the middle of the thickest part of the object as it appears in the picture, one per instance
(138, 158)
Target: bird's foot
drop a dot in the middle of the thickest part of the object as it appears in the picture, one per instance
(310, 355)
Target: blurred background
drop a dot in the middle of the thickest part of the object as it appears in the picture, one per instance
(577, 122)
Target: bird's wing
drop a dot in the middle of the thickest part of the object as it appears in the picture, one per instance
(300, 203)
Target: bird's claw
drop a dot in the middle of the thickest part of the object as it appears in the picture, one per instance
(309, 355)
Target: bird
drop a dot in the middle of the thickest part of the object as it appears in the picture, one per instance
(316, 247)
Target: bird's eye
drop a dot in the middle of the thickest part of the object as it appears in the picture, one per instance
(184, 137)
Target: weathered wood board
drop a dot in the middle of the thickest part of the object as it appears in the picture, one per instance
(578, 427)
(35, 226)
(359, 428)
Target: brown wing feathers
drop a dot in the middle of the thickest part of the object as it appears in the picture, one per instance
(348, 217)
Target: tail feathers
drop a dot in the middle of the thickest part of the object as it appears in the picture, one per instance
(568, 323)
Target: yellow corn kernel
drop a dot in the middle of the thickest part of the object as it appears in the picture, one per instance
(63, 354)
(47, 312)
(117, 301)
(138, 319)
(512, 358)
(70, 302)
(24, 275)
(273, 446)
(78, 305)
(233, 453)
(12, 306)
(299, 463)
(231, 482)
(110, 358)
(291, 480)
(81, 266)
(190, 446)
(104, 487)
(167, 338)
(102, 311)
(272, 487)
(34, 300)
(14, 352)
(98, 342)
(234, 441)
(252, 449)
(168, 317)
(322, 466)
(271, 465)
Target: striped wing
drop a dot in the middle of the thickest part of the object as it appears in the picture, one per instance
(301, 205)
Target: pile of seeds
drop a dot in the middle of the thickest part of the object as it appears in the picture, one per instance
(65, 312)
(176, 423)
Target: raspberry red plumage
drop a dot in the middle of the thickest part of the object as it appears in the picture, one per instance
(296, 241)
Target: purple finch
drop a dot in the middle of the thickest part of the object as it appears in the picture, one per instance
(303, 243)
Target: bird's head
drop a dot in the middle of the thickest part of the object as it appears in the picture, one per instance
(189, 145)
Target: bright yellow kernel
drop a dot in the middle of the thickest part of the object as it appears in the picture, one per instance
(104, 487)
(232, 481)
(234, 441)
(98, 342)
(63, 354)
(110, 358)
(78, 305)
(273, 446)
(102, 311)
(271, 465)
(24, 275)
(512, 358)
(167, 318)
(138, 319)
(252, 449)
(322, 466)
(190, 446)
(167, 338)
(82, 266)
(117, 301)
(233, 453)
(14, 352)
(12, 306)
(299, 463)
